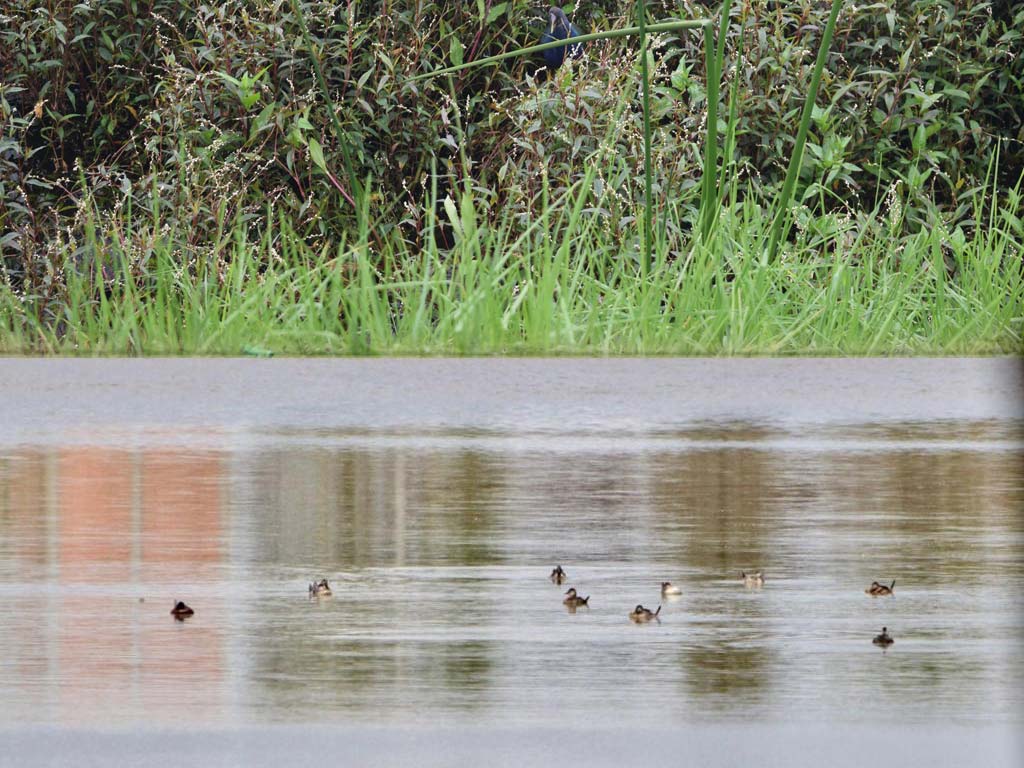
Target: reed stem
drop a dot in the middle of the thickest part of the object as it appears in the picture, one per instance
(665, 26)
(646, 258)
(714, 58)
(780, 224)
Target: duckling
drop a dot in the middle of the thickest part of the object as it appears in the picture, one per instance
(320, 589)
(558, 575)
(752, 579)
(880, 590)
(574, 601)
(667, 590)
(180, 611)
(641, 615)
(884, 639)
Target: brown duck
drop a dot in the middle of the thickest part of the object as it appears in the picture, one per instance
(641, 615)
(320, 588)
(880, 590)
(575, 601)
(752, 579)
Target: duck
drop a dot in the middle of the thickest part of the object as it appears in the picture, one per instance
(641, 615)
(320, 588)
(883, 639)
(180, 611)
(558, 575)
(573, 600)
(667, 590)
(879, 590)
(752, 579)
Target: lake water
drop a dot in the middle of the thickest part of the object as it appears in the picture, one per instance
(437, 495)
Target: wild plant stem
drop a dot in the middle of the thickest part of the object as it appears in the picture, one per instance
(780, 224)
(710, 171)
(665, 26)
(714, 58)
(646, 257)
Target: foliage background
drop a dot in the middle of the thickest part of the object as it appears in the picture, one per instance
(204, 116)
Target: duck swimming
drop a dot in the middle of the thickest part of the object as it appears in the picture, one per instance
(752, 579)
(558, 575)
(883, 639)
(180, 611)
(667, 590)
(880, 590)
(574, 601)
(641, 615)
(320, 589)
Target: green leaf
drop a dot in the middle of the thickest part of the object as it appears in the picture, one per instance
(905, 58)
(316, 154)
(455, 51)
(496, 12)
(261, 120)
(229, 79)
(453, 217)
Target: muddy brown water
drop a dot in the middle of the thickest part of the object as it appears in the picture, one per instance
(437, 495)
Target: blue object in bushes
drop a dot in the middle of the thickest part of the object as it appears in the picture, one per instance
(560, 28)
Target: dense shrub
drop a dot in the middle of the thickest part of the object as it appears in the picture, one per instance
(202, 115)
(919, 91)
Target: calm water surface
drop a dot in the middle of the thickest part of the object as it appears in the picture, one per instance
(437, 495)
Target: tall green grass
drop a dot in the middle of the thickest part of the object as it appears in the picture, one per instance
(840, 286)
(734, 273)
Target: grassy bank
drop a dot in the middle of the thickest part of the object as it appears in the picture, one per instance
(303, 178)
(563, 283)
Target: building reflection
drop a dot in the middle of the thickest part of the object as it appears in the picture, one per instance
(94, 491)
(380, 514)
(94, 537)
(719, 513)
(439, 558)
(356, 509)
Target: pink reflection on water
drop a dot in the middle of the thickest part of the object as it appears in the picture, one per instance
(100, 538)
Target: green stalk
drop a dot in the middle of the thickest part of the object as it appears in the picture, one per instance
(780, 226)
(646, 259)
(730, 127)
(714, 58)
(708, 194)
(666, 26)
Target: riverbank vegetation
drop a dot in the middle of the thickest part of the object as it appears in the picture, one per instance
(216, 179)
